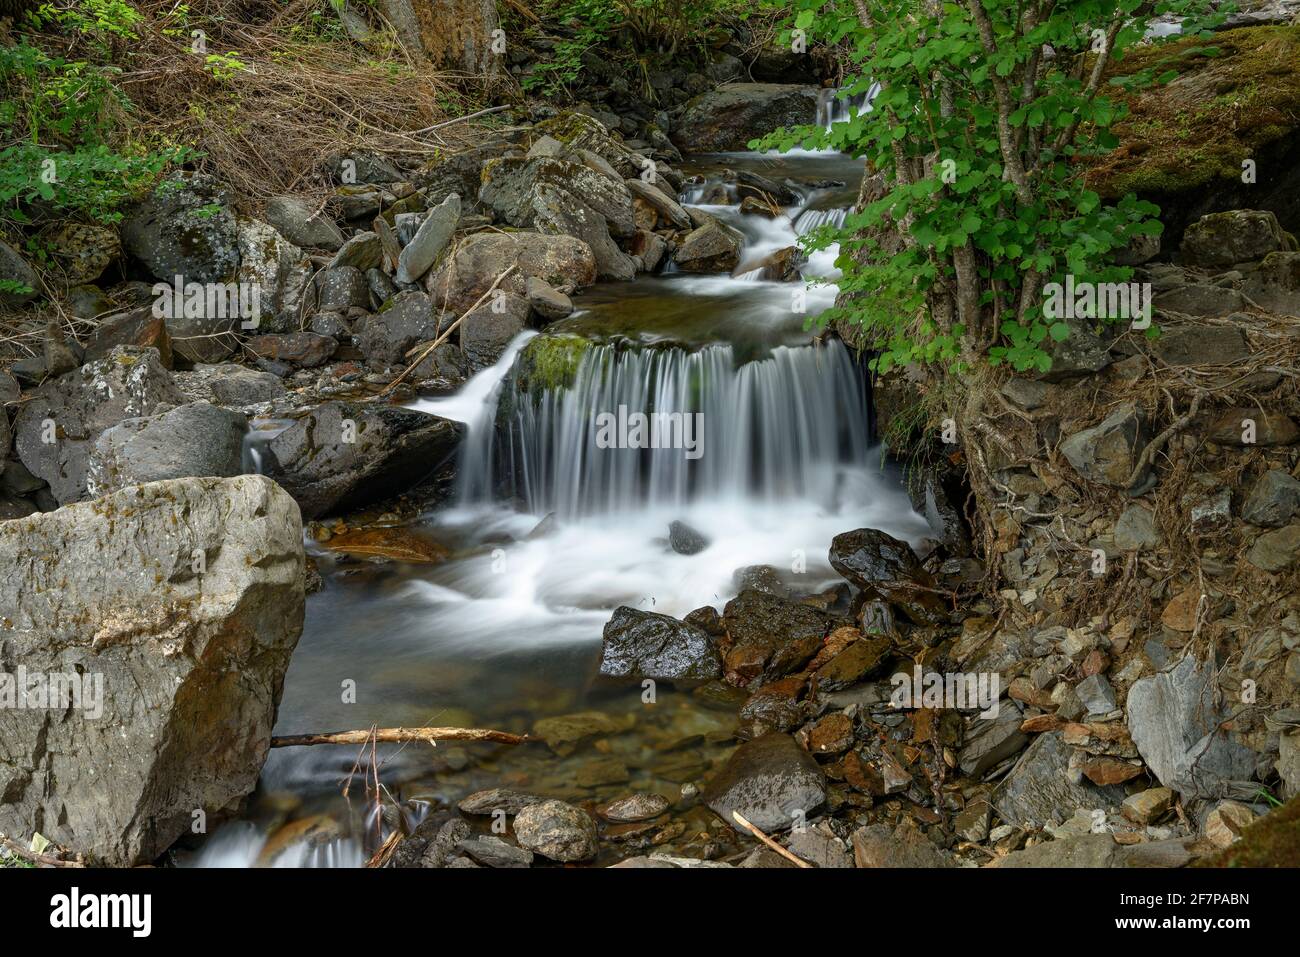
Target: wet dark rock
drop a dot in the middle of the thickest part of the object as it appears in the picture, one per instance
(548, 302)
(707, 620)
(642, 644)
(343, 455)
(1273, 500)
(711, 247)
(197, 439)
(862, 659)
(1040, 790)
(434, 843)
(771, 781)
(565, 733)
(128, 384)
(1174, 721)
(686, 540)
(760, 627)
(557, 831)
(885, 567)
(488, 330)
(777, 706)
(990, 741)
(727, 118)
(819, 847)
(762, 578)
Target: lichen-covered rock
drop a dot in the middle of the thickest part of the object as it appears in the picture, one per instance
(57, 428)
(560, 213)
(511, 186)
(175, 606)
(185, 228)
(193, 440)
(275, 267)
(557, 830)
(1236, 236)
(461, 279)
(711, 247)
(83, 251)
(298, 221)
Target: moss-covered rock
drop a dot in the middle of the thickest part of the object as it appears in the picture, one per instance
(549, 362)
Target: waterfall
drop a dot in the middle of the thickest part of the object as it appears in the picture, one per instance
(775, 428)
(835, 106)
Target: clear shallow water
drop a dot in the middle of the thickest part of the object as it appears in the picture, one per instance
(507, 630)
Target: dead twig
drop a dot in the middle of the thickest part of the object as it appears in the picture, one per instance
(797, 861)
(392, 735)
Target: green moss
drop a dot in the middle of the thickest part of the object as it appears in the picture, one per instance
(549, 362)
(1272, 841)
(1218, 112)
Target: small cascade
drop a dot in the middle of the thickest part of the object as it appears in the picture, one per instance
(775, 428)
(835, 106)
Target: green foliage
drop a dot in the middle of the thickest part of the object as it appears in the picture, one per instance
(593, 20)
(102, 18)
(984, 111)
(58, 118)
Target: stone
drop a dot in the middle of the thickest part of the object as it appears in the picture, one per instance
(832, 734)
(429, 241)
(1275, 285)
(771, 781)
(990, 741)
(1273, 500)
(192, 440)
(711, 247)
(185, 228)
(634, 807)
(229, 385)
(728, 117)
(1180, 614)
(82, 251)
(1245, 427)
(1184, 345)
(763, 629)
(1147, 807)
(487, 331)
(1224, 824)
(547, 301)
(523, 191)
(491, 851)
(129, 383)
(341, 455)
(559, 212)
(459, 280)
(1236, 236)
(192, 662)
(277, 269)
(1212, 515)
(860, 660)
(685, 540)
(1080, 353)
(642, 644)
(1276, 551)
(490, 802)
(1029, 394)
(879, 845)
(302, 350)
(885, 567)
(363, 251)
(1200, 299)
(393, 331)
(1096, 694)
(1040, 790)
(557, 831)
(14, 268)
(1107, 453)
(565, 733)
(339, 289)
(300, 223)
(668, 211)
(1174, 722)
(820, 847)
(1136, 529)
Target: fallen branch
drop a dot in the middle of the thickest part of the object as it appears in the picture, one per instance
(798, 862)
(1156, 444)
(393, 735)
(457, 119)
(386, 850)
(42, 859)
(443, 338)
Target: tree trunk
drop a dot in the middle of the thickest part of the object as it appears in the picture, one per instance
(454, 35)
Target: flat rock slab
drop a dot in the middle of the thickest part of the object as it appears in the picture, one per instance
(771, 781)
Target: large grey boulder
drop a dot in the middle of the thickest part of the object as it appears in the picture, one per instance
(771, 781)
(191, 440)
(459, 280)
(643, 644)
(1174, 720)
(399, 324)
(171, 609)
(511, 187)
(559, 212)
(711, 247)
(275, 267)
(727, 118)
(344, 455)
(71, 412)
(185, 228)
(486, 331)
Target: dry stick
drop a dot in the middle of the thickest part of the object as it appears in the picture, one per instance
(449, 330)
(382, 856)
(391, 735)
(458, 119)
(35, 858)
(1156, 444)
(798, 862)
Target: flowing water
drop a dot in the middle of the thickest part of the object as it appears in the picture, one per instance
(550, 531)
